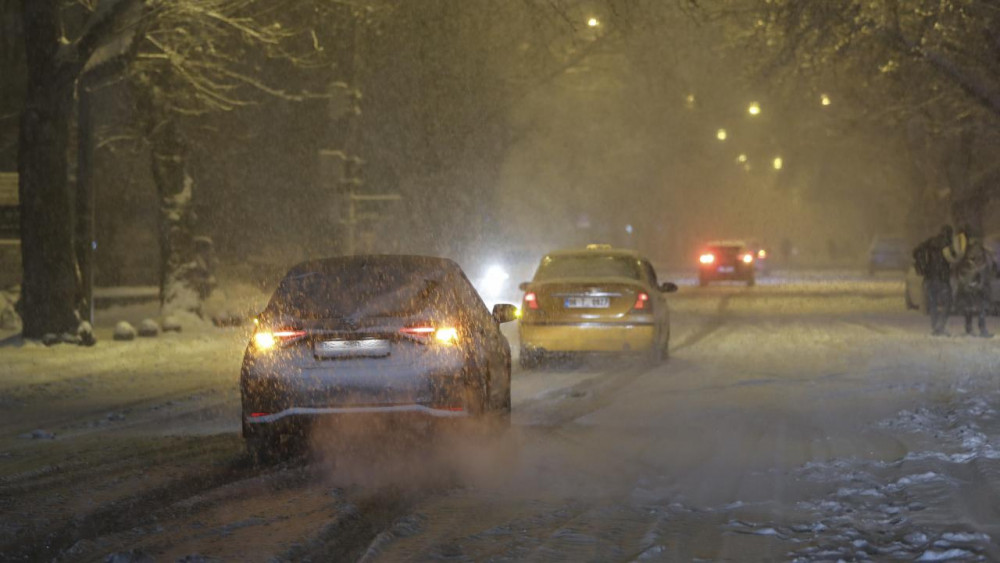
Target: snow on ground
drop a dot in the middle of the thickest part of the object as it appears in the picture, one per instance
(813, 419)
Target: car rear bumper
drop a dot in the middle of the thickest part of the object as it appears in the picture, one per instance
(738, 273)
(300, 414)
(588, 337)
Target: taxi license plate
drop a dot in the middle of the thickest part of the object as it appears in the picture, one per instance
(587, 303)
(367, 348)
(727, 269)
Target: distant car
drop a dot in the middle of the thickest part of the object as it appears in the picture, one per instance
(372, 335)
(726, 260)
(889, 253)
(596, 299)
(496, 273)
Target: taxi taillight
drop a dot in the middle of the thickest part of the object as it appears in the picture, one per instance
(531, 300)
(641, 301)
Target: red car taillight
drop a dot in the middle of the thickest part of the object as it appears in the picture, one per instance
(531, 300)
(747, 258)
(442, 335)
(267, 339)
(707, 258)
(641, 301)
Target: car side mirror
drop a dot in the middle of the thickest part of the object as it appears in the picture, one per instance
(668, 287)
(523, 286)
(504, 312)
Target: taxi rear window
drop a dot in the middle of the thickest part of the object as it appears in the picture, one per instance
(553, 267)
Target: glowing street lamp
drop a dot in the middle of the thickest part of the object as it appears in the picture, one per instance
(778, 163)
(824, 99)
(721, 134)
(742, 158)
(689, 101)
(753, 108)
(593, 22)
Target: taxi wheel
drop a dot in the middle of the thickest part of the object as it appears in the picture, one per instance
(529, 359)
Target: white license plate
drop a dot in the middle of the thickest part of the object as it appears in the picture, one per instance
(727, 269)
(587, 302)
(367, 348)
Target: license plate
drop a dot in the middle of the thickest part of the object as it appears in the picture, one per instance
(587, 302)
(727, 269)
(368, 348)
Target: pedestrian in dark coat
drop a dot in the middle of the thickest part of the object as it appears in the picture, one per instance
(931, 262)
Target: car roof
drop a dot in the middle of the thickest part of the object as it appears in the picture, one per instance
(401, 262)
(611, 252)
(732, 242)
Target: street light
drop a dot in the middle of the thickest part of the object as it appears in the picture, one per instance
(593, 22)
(824, 99)
(689, 101)
(753, 108)
(742, 158)
(778, 163)
(721, 134)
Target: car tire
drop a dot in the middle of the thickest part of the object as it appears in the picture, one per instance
(263, 445)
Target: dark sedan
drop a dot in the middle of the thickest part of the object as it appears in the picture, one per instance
(373, 335)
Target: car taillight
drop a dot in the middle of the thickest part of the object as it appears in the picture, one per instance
(267, 339)
(531, 300)
(443, 335)
(707, 258)
(640, 301)
(747, 258)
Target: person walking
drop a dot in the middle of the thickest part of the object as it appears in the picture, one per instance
(930, 261)
(973, 276)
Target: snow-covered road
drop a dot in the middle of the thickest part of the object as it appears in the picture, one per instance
(808, 418)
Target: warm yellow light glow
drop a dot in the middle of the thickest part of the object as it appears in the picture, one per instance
(517, 313)
(753, 108)
(741, 158)
(778, 163)
(747, 258)
(824, 99)
(263, 340)
(593, 22)
(689, 100)
(721, 134)
(446, 335)
(706, 258)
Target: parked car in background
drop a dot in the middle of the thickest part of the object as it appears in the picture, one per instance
(889, 253)
(726, 260)
(372, 336)
(596, 299)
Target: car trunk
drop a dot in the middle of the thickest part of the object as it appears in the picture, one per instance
(571, 300)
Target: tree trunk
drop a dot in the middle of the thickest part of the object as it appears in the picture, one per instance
(182, 274)
(49, 296)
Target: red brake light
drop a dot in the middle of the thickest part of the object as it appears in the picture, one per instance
(707, 258)
(747, 258)
(259, 414)
(640, 300)
(531, 300)
(418, 330)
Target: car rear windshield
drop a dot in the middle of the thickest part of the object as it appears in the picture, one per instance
(361, 293)
(553, 267)
(726, 251)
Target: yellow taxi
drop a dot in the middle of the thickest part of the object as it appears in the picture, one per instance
(594, 299)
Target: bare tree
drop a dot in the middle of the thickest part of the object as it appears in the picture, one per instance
(50, 294)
